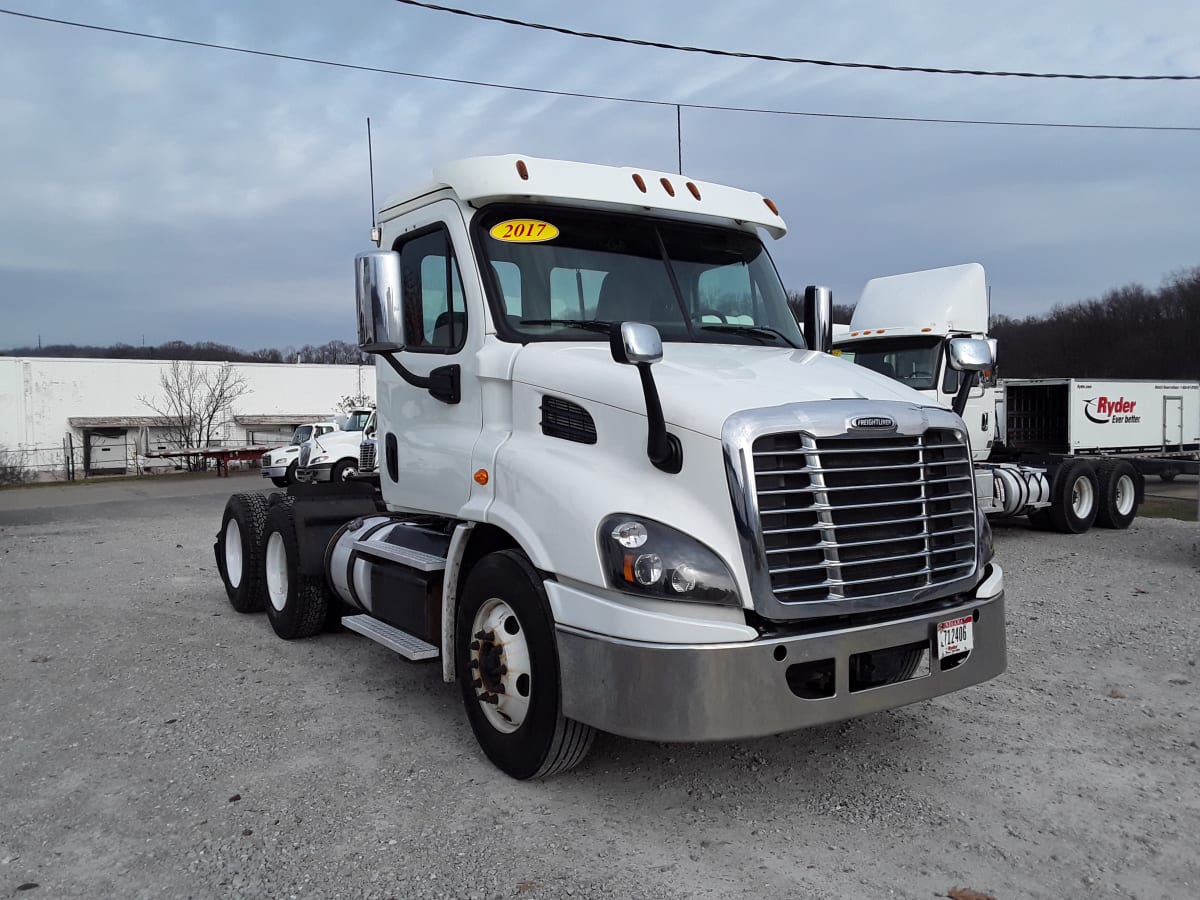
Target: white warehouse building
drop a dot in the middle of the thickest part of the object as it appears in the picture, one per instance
(89, 411)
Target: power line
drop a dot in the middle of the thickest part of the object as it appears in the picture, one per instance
(586, 96)
(785, 59)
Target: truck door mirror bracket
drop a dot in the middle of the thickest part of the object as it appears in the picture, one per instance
(636, 344)
(443, 383)
(969, 356)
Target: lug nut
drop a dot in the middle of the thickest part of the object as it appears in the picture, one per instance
(477, 683)
(500, 689)
(474, 664)
(474, 645)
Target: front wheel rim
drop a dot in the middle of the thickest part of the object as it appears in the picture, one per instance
(233, 553)
(277, 574)
(499, 666)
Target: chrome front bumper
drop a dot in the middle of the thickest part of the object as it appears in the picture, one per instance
(704, 692)
(274, 471)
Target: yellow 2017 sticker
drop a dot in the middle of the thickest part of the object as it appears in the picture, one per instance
(524, 231)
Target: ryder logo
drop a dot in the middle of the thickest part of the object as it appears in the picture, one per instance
(1102, 411)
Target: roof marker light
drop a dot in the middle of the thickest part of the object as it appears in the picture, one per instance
(668, 187)
(771, 205)
(924, 330)
(640, 182)
(695, 190)
(522, 170)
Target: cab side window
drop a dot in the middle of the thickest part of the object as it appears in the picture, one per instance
(435, 315)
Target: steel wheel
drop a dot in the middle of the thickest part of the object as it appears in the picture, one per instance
(1083, 497)
(499, 658)
(277, 571)
(233, 553)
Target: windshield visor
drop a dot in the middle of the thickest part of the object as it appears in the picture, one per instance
(567, 274)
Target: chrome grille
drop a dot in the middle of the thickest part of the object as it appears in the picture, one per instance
(855, 517)
(366, 456)
(305, 453)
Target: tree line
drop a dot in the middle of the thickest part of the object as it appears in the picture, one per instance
(1130, 332)
(329, 353)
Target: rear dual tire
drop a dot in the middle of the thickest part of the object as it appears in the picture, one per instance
(239, 550)
(297, 605)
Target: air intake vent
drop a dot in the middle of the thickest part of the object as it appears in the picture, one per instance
(569, 421)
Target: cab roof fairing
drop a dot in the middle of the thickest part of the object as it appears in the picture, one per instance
(488, 179)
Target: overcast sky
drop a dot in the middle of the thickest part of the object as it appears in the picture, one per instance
(153, 191)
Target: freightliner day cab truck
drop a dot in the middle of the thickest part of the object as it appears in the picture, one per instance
(1066, 452)
(280, 464)
(619, 488)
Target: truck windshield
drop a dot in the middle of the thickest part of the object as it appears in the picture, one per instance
(301, 434)
(356, 421)
(912, 361)
(693, 283)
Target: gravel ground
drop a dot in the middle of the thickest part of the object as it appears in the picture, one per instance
(157, 744)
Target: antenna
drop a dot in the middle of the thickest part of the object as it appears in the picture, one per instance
(375, 232)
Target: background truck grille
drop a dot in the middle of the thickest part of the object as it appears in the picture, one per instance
(854, 517)
(305, 452)
(366, 456)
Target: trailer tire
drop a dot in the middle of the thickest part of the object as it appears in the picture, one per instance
(1118, 494)
(1074, 497)
(522, 730)
(296, 604)
(239, 550)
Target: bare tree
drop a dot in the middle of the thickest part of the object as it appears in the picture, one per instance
(196, 400)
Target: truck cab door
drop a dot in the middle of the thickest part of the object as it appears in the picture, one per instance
(424, 443)
(980, 413)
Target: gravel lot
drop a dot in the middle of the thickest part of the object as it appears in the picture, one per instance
(157, 744)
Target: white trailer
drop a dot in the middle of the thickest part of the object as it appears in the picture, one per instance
(619, 488)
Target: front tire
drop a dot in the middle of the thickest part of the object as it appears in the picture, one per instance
(239, 551)
(344, 470)
(279, 480)
(506, 662)
(296, 604)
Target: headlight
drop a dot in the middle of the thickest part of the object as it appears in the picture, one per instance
(983, 534)
(649, 559)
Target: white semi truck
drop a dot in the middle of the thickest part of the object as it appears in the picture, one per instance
(1064, 451)
(333, 455)
(280, 463)
(619, 488)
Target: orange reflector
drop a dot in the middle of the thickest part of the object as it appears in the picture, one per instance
(668, 187)
(481, 476)
(879, 331)
(522, 170)
(640, 182)
(854, 334)
(695, 190)
(629, 568)
(923, 330)
(771, 205)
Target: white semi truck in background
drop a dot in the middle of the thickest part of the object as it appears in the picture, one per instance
(1063, 451)
(280, 463)
(619, 488)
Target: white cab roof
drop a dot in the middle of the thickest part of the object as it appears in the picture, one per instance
(489, 179)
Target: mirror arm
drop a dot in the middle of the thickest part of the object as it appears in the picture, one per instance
(664, 450)
(443, 383)
(966, 381)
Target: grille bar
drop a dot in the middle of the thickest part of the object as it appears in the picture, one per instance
(897, 517)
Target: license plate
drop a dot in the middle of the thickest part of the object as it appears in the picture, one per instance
(955, 636)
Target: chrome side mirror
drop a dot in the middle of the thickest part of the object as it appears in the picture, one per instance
(971, 354)
(636, 343)
(377, 292)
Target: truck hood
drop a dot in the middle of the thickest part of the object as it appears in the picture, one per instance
(701, 385)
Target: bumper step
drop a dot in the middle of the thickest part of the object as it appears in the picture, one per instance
(407, 645)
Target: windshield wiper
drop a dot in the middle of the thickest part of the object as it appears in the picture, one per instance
(586, 324)
(759, 331)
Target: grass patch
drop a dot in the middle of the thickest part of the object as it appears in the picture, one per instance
(1183, 509)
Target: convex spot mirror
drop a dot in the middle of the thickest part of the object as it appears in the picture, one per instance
(377, 292)
(636, 343)
(971, 355)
